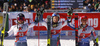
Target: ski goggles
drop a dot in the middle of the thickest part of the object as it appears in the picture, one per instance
(83, 19)
(21, 19)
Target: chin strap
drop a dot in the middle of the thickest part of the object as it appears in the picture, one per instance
(54, 24)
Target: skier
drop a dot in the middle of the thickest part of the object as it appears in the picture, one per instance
(20, 30)
(55, 28)
(84, 32)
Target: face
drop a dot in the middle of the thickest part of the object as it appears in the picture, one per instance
(55, 19)
(84, 21)
(20, 22)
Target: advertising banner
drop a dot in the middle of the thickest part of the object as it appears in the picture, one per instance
(93, 20)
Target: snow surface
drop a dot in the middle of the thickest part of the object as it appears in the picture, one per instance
(33, 41)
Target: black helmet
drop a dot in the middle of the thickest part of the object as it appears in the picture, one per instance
(21, 17)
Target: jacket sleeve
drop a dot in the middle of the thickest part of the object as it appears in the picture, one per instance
(44, 23)
(63, 23)
(70, 24)
(93, 33)
(95, 37)
(11, 32)
(30, 25)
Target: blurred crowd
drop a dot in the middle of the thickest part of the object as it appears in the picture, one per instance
(32, 5)
(25, 5)
(92, 5)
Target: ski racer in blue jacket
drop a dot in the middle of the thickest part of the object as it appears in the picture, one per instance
(56, 28)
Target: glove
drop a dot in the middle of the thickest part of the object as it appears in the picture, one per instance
(96, 44)
(39, 14)
(70, 13)
(6, 34)
(40, 11)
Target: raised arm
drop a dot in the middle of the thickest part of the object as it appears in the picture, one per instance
(70, 13)
(68, 21)
(39, 17)
(30, 25)
(70, 24)
(95, 37)
(44, 23)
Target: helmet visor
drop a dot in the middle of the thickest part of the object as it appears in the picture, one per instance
(21, 19)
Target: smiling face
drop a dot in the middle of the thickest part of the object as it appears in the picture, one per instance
(84, 21)
(20, 22)
(55, 19)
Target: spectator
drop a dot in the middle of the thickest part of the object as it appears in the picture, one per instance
(30, 0)
(24, 5)
(0, 9)
(96, 6)
(89, 7)
(20, 1)
(32, 8)
(94, 1)
(25, 9)
(36, 6)
(1, 3)
(13, 8)
(92, 7)
(42, 5)
(46, 5)
(21, 8)
(29, 7)
(35, 9)
(9, 9)
(15, 2)
(20, 5)
(41, 2)
(99, 7)
(35, 2)
(85, 3)
(87, 0)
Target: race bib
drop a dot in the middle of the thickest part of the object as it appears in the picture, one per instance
(86, 40)
(55, 36)
(22, 38)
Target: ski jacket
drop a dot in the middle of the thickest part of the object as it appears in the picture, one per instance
(85, 33)
(55, 31)
(20, 31)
